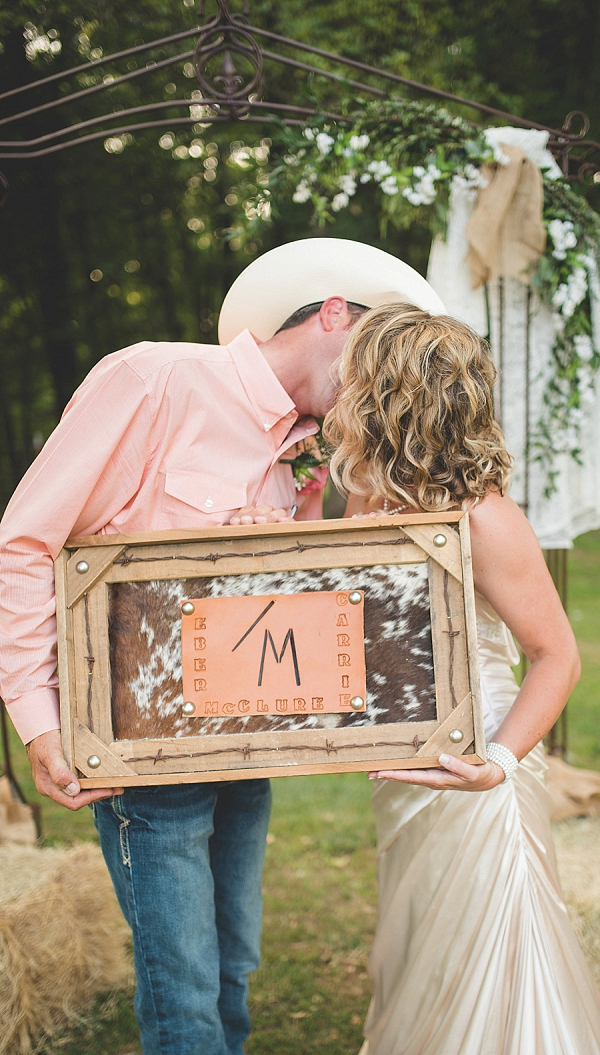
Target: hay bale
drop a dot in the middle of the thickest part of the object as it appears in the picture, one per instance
(63, 940)
(578, 854)
(574, 792)
(17, 823)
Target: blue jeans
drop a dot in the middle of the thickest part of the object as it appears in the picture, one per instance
(186, 863)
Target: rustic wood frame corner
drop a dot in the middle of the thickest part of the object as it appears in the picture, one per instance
(87, 566)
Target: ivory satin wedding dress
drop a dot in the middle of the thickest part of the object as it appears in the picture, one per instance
(474, 953)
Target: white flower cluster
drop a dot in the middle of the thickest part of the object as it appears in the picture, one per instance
(469, 180)
(356, 144)
(323, 140)
(347, 185)
(585, 372)
(562, 422)
(389, 185)
(571, 293)
(562, 233)
(377, 170)
(324, 143)
(359, 142)
(492, 137)
(499, 156)
(586, 385)
(423, 192)
(302, 192)
(583, 347)
(382, 173)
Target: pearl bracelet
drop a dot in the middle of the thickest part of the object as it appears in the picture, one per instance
(504, 758)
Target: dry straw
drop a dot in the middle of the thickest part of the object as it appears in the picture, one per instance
(62, 940)
(578, 853)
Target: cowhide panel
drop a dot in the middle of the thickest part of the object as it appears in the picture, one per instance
(145, 633)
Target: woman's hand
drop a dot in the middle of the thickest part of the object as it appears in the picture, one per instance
(454, 775)
(261, 515)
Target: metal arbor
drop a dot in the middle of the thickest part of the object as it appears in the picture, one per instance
(228, 59)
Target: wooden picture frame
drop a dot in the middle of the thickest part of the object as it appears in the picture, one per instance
(123, 717)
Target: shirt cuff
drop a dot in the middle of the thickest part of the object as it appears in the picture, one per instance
(35, 713)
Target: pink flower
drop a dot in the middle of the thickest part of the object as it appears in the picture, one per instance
(316, 481)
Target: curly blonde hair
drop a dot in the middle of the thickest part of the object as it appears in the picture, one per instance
(414, 420)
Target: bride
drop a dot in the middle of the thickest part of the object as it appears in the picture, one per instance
(474, 953)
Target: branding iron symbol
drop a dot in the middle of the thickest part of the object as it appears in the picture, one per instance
(267, 639)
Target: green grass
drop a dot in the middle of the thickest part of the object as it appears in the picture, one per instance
(109, 1028)
(584, 612)
(311, 992)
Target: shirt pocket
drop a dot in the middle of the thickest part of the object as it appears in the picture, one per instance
(193, 499)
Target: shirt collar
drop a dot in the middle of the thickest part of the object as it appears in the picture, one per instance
(268, 397)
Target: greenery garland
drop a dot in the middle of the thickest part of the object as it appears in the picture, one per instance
(412, 154)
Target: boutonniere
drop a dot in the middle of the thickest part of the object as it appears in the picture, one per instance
(308, 464)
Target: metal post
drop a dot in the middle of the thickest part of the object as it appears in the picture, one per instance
(556, 559)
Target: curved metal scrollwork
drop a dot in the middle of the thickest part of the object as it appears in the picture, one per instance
(226, 34)
(574, 163)
(228, 63)
(572, 116)
(587, 171)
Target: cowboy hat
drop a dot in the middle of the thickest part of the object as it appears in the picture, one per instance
(279, 282)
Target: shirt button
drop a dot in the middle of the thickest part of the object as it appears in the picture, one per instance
(209, 503)
(266, 426)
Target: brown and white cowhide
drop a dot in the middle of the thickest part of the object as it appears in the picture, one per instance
(145, 634)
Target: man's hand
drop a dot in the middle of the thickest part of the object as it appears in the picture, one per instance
(261, 515)
(54, 779)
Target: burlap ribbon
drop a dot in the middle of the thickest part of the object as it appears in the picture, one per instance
(505, 232)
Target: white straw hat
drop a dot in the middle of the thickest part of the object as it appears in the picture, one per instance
(276, 284)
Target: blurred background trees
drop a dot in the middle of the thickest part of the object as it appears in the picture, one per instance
(127, 239)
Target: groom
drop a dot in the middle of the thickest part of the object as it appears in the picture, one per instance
(169, 436)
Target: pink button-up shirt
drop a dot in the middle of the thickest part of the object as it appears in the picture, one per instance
(158, 436)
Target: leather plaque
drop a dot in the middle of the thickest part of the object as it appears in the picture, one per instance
(274, 654)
